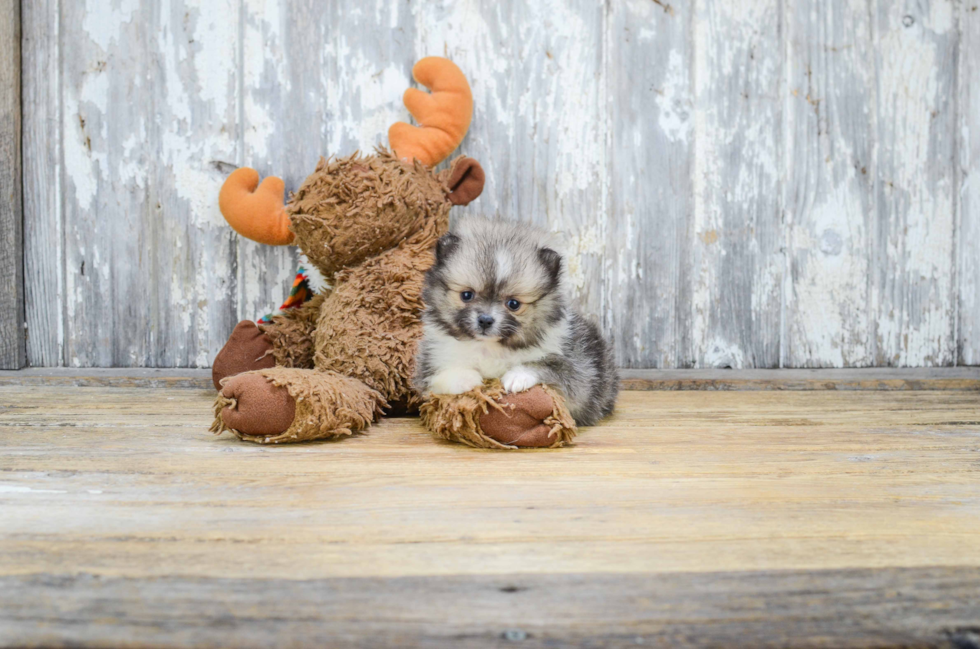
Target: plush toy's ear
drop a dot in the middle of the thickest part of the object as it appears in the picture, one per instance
(445, 247)
(465, 181)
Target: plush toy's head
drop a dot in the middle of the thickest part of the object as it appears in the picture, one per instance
(353, 208)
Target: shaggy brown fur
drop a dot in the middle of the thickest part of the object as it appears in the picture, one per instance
(374, 324)
(291, 333)
(353, 208)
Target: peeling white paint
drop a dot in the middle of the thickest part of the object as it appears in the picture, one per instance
(722, 354)
(104, 19)
(735, 184)
(829, 298)
(917, 328)
(587, 241)
(968, 203)
(216, 40)
(85, 158)
(673, 99)
(374, 102)
(264, 69)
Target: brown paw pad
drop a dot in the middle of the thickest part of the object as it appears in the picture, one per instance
(258, 407)
(520, 422)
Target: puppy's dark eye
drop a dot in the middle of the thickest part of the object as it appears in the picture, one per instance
(466, 296)
(513, 304)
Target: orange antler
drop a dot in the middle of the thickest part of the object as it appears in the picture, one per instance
(258, 214)
(443, 116)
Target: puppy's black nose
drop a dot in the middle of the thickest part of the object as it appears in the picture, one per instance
(485, 321)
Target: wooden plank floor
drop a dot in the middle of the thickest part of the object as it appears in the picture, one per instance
(688, 519)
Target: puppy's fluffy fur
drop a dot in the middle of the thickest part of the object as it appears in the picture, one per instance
(495, 308)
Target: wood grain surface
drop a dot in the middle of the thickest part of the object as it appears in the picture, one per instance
(740, 183)
(830, 203)
(12, 338)
(44, 258)
(819, 518)
(968, 183)
(918, 607)
(914, 300)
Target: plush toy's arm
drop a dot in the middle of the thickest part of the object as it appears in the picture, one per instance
(291, 333)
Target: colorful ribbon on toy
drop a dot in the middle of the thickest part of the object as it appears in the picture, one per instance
(299, 294)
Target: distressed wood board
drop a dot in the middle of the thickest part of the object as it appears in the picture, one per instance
(945, 378)
(745, 609)
(12, 339)
(741, 184)
(968, 183)
(748, 519)
(914, 260)
(829, 194)
(44, 260)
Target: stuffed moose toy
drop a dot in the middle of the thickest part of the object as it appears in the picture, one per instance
(332, 365)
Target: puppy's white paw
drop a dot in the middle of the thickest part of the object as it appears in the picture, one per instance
(455, 381)
(520, 379)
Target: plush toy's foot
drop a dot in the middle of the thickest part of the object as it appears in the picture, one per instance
(520, 421)
(282, 404)
(252, 405)
(247, 349)
(487, 417)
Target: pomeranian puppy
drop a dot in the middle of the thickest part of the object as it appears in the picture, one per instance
(495, 308)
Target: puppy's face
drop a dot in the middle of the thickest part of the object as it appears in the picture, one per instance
(493, 288)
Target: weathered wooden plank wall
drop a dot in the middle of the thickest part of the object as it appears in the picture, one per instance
(44, 268)
(829, 200)
(757, 183)
(967, 192)
(12, 341)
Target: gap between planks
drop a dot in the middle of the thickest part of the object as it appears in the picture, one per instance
(937, 378)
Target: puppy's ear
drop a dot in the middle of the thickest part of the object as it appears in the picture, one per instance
(445, 247)
(466, 181)
(551, 261)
